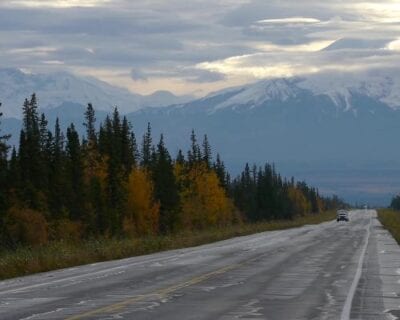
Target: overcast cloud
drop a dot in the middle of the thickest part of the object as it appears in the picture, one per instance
(198, 46)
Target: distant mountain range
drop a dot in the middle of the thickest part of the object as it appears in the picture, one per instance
(293, 119)
(340, 132)
(61, 88)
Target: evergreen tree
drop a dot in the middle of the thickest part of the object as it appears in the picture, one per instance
(3, 150)
(194, 154)
(56, 191)
(180, 158)
(165, 188)
(90, 122)
(116, 137)
(96, 218)
(128, 147)
(44, 133)
(146, 147)
(90, 145)
(74, 175)
(220, 170)
(207, 155)
(31, 166)
(4, 203)
(105, 137)
(46, 153)
(115, 188)
(395, 204)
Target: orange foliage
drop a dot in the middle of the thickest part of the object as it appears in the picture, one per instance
(26, 226)
(320, 204)
(142, 212)
(65, 229)
(300, 205)
(204, 201)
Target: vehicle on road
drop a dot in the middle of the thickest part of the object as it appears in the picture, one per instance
(342, 215)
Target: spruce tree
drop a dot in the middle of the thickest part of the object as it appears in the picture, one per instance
(3, 176)
(43, 131)
(57, 201)
(165, 188)
(4, 147)
(128, 147)
(207, 155)
(146, 147)
(74, 175)
(395, 203)
(220, 170)
(31, 165)
(180, 158)
(46, 153)
(194, 154)
(90, 145)
(115, 186)
(90, 122)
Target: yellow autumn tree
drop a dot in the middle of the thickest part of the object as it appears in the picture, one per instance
(320, 205)
(142, 212)
(300, 205)
(204, 202)
(26, 226)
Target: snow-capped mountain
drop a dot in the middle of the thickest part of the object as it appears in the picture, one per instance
(55, 89)
(291, 119)
(337, 132)
(341, 89)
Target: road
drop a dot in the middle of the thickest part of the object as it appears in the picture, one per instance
(333, 271)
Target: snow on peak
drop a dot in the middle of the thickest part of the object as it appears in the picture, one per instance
(340, 87)
(255, 94)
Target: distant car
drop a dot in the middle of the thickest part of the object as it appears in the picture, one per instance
(342, 215)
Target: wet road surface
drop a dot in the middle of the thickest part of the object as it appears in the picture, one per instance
(335, 271)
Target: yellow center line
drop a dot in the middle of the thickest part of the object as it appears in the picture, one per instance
(156, 294)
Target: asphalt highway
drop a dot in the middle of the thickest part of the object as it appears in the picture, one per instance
(338, 271)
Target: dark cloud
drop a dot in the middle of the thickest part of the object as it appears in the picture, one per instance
(175, 38)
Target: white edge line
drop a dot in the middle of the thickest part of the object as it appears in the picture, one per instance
(350, 296)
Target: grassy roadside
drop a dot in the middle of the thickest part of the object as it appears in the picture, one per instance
(58, 255)
(390, 219)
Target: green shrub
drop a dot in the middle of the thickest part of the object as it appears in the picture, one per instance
(390, 219)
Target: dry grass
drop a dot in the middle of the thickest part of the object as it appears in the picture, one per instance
(56, 255)
(390, 219)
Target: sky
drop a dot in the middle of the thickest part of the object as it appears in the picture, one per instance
(198, 46)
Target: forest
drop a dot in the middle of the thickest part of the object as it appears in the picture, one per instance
(108, 184)
(395, 204)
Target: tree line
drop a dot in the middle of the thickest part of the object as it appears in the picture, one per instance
(395, 203)
(59, 186)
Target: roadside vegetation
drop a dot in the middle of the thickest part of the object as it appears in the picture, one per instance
(62, 254)
(67, 200)
(390, 219)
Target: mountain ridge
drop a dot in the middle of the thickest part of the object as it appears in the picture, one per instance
(384, 89)
(54, 89)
